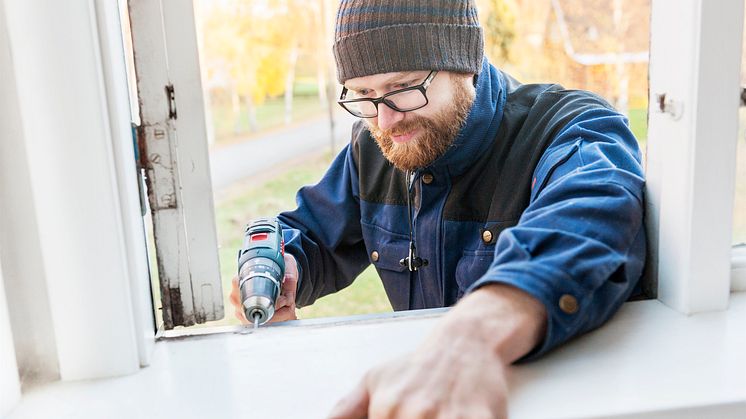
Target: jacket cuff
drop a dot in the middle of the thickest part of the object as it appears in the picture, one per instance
(294, 248)
(566, 301)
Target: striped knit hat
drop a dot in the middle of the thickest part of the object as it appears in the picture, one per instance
(382, 36)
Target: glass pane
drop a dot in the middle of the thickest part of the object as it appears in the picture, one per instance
(270, 87)
(271, 90)
(596, 45)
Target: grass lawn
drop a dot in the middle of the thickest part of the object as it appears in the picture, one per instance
(638, 123)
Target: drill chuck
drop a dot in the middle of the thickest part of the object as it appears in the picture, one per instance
(261, 269)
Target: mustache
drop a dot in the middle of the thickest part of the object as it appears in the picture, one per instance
(403, 127)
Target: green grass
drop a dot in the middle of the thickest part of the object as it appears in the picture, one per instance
(364, 296)
(638, 123)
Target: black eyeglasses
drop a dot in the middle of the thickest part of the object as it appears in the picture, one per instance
(402, 100)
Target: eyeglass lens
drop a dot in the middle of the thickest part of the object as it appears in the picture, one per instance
(402, 101)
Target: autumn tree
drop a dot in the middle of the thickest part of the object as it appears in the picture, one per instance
(498, 22)
(252, 48)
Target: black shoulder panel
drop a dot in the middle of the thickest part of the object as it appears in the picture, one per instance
(498, 187)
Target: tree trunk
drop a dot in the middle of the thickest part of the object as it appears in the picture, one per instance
(290, 83)
(251, 112)
(330, 91)
(321, 59)
(236, 108)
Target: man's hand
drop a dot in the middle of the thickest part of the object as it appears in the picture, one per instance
(285, 304)
(459, 371)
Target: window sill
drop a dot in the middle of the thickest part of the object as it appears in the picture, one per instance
(649, 362)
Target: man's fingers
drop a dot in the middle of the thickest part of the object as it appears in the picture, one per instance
(283, 314)
(234, 292)
(282, 301)
(354, 405)
(234, 300)
(241, 316)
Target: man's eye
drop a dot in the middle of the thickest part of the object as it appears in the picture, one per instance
(403, 85)
(363, 92)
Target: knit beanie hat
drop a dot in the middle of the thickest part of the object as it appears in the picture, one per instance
(383, 36)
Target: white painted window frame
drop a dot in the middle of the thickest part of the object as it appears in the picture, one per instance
(695, 57)
(695, 61)
(64, 90)
(173, 144)
(10, 385)
(92, 247)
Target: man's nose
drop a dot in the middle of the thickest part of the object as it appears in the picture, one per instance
(388, 117)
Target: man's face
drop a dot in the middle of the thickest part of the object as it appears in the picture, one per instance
(414, 139)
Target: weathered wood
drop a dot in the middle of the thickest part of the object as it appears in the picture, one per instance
(173, 150)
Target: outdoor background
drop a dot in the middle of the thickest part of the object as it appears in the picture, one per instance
(271, 90)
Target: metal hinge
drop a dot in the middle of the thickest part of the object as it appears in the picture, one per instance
(171, 101)
(666, 104)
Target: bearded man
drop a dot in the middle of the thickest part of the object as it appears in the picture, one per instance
(519, 204)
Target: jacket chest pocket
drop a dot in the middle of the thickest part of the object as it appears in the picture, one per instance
(472, 265)
(385, 250)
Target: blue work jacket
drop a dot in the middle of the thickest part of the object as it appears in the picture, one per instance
(542, 190)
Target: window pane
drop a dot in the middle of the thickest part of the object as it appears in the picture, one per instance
(269, 79)
(596, 45)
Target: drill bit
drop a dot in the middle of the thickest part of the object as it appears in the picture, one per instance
(256, 321)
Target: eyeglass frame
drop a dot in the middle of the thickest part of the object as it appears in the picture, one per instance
(422, 87)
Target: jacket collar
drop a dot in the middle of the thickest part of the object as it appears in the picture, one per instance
(481, 125)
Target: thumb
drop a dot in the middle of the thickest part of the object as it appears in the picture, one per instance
(354, 405)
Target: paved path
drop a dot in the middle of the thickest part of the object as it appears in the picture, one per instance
(239, 161)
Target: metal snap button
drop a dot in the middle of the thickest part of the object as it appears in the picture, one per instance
(487, 237)
(427, 178)
(568, 304)
(374, 256)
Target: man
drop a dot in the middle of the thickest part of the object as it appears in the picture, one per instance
(523, 203)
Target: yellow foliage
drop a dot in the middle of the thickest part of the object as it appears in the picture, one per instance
(498, 21)
(248, 44)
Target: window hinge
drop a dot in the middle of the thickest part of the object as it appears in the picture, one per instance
(171, 101)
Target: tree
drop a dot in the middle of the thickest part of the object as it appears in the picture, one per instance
(498, 21)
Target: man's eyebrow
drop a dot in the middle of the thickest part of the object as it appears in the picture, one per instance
(389, 81)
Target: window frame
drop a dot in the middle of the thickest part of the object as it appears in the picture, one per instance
(684, 156)
(83, 192)
(172, 138)
(692, 135)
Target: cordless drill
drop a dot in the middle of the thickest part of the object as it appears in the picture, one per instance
(261, 269)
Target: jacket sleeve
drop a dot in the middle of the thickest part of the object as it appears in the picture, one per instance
(579, 247)
(324, 233)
